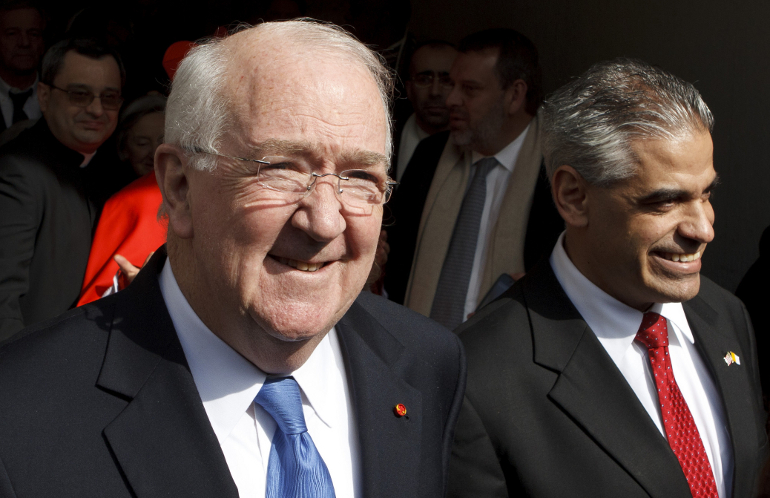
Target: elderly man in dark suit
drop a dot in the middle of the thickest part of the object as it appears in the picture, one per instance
(245, 362)
(615, 369)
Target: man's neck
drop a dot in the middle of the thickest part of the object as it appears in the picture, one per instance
(15, 80)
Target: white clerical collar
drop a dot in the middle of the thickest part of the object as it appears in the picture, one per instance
(228, 383)
(508, 155)
(613, 322)
(87, 159)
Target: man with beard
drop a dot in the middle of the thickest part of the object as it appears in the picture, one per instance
(427, 88)
(475, 204)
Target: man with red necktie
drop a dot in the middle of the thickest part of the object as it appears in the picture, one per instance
(614, 369)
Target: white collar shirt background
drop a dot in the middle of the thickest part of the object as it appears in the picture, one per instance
(31, 106)
(616, 324)
(228, 384)
(497, 184)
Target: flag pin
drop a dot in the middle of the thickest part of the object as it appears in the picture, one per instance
(399, 410)
(731, 358)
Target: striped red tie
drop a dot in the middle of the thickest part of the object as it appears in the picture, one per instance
(682, 434)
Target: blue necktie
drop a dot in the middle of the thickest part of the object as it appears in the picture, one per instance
(295, 468)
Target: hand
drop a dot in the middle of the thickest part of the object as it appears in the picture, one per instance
(127, 271)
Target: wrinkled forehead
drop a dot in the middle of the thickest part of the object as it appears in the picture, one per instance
(291, 92)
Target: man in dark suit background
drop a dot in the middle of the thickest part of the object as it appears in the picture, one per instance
(493, 117)
(198, 378)
(51, 183)
(614, 368)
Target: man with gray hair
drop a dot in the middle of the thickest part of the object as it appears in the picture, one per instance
(613, 368)
(242, 360)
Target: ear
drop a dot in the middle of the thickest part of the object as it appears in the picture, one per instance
(171, 170)
(569, 191)
(516, 95)
(43, 94)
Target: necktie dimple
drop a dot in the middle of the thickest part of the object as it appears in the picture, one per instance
(19, 99)
(449, 301)
(681, 432)
(295, 469)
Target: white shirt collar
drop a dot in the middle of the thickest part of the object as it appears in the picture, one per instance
(508, 155)
(613, 322)
(227, 382)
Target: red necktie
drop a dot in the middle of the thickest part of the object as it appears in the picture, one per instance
(682, 434)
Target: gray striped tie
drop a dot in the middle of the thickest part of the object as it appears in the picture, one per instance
(449, 301)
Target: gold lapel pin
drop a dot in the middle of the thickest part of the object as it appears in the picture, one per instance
(731, 358)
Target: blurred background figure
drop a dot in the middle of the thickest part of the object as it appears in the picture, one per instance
(130, 228)
(427, 88)
(140, 131)
(21, 47)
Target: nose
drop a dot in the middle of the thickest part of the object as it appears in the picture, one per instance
(435, 86)
(24, 40)
(319, 213)
(95, 108)
(453, 99)
(698, 224)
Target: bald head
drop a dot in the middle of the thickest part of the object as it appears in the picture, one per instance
(213, 81)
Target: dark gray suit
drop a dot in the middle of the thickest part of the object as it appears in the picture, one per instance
(46, 223)
(548, 414)
(101, 402)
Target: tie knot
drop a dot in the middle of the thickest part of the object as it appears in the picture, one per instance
(653, 332)
(280, 398)
(19, 96)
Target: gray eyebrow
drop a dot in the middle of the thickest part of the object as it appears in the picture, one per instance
(279, 147)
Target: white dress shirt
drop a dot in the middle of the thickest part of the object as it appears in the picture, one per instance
(497, 183)
(31, 106)
(228, 383)
(411, 136)
(616, 324)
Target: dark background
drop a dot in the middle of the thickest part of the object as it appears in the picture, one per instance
(721, 47)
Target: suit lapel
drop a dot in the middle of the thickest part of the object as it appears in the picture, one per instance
(713, 339)
(389, 445)
(162, 440)
(592, 391)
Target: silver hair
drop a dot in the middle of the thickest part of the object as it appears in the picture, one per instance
(591, 122)
(198, 107)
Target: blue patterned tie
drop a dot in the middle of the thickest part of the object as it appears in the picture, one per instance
(295, 468)
(449, 301)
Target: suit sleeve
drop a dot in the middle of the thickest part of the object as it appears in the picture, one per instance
(474, 468)
(18, 229)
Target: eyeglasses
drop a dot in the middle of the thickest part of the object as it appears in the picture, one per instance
(111, 100)
(425, 79)
(293, 177)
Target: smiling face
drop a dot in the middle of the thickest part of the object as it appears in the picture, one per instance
(82, 129)
(645, 236)
(279, 270)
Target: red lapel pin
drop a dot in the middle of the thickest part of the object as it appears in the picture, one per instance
(399, 410)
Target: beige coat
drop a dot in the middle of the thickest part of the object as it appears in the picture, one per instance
(506, 250)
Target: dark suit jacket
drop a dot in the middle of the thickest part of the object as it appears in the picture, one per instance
(46, 222)
(405, 208)
(548, 414)
(101, 402)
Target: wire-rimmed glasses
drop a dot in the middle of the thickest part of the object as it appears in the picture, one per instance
(293, 176)
(80, 97)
